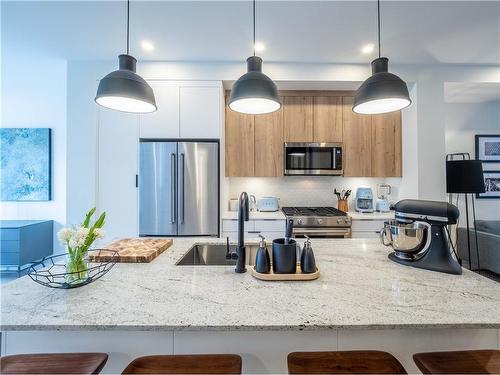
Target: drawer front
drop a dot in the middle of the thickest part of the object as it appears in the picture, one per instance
(9, 234)
(229, 225)
(367, 225)
(9, 246)
(9, 259)
(270, 225)
(365, 235)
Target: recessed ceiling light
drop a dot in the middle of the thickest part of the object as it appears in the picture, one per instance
(368, 48)
(147, 45)
(259, 47)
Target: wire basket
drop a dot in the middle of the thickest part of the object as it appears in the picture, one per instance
(52, 271)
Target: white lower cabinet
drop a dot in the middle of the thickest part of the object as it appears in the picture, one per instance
(366, 228)
(270, 229)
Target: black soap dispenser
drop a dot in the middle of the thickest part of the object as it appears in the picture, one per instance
(262, 260)
(307, 261)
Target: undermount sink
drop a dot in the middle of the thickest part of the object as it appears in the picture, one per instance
(215, 255)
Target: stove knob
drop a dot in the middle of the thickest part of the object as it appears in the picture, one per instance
(320, 221)
(299, 221)
(339, 221)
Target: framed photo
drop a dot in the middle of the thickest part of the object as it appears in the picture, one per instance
(491, 184)
(25, 168)
(488, 148)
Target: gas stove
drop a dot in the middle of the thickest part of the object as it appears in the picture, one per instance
(323, 222)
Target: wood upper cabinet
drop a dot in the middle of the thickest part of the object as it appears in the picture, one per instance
(239, 144)
(372, 144)
(357, 145)
(327, 119)
(268, 159)
(386, 145)
(298, 118)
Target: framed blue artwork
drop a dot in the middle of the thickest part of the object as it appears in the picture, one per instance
(25, 164)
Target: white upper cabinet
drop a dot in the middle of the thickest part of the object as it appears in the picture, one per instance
(117, 166)
(186, 109)
(164, 123)
(200, 112)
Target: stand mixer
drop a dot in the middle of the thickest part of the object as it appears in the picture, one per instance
(419, 235)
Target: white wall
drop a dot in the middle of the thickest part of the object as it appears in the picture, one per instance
(33, 96)
(463, 122)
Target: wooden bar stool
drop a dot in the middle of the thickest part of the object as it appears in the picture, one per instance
(53, 363)
(344, 362)
(459, 362)
(186, 364)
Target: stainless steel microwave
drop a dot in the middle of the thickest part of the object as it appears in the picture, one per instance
(312, 159)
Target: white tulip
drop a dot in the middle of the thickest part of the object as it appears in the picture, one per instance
(65, 234)
(99, 233)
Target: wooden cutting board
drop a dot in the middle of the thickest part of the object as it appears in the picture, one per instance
(134, 250)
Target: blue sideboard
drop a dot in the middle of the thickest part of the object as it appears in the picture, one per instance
(23, 242)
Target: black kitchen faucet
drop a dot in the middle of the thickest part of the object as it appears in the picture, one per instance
(243, 215)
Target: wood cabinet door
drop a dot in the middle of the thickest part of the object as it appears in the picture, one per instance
(327, 119)
(386, 145)
(357, 144)
(298, 118)
(239, 144)
(269, 144)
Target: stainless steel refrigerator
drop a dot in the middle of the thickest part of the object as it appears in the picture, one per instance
(178, 188)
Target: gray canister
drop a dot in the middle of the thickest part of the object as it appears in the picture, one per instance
(284, 255)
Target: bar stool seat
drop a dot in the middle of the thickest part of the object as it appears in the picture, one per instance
(459, 362)
(53, 363)
(186, 364)
(344, 362)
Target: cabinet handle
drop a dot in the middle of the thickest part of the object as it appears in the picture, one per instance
(173, 189)
(254, 231)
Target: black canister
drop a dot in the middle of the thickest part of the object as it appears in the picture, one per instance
(284, 255)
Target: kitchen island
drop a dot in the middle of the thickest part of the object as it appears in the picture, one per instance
(362, 300)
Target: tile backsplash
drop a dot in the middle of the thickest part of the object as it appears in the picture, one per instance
(306, 190)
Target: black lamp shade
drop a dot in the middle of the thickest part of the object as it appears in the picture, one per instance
(381, 93)
(464, 176)
(254, 92)
(124, 90)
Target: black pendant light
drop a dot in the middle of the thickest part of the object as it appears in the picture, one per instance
(254, 92)
(383, 92)
(124, 90)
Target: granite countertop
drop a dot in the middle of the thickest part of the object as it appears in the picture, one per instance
(359, 288)
(255, 215)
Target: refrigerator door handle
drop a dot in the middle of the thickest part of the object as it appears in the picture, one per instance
(173, 188)
(181, 215)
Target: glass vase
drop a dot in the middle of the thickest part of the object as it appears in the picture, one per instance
(77, 269)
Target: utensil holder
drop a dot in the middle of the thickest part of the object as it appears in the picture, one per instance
(342, 205)
(284, 256)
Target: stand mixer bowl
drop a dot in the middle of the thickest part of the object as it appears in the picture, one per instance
(407, 239)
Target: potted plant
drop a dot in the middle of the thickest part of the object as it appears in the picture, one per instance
(78, 241)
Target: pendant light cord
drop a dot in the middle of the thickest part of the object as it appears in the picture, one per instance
(128, 25)
(378, 18)
(254, 27)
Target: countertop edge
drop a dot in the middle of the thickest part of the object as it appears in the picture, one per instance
(153, 328)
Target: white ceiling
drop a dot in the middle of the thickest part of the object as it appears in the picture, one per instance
(421, 32)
